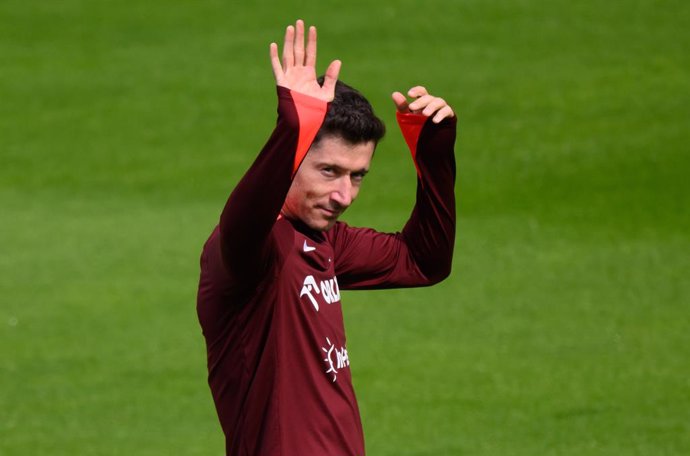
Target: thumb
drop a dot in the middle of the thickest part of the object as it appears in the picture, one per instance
(331, 76)
(400, 101)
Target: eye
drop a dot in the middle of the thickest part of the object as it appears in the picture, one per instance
(357, 177)
(328, 171)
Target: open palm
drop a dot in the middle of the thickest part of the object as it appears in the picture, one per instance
(297, 71)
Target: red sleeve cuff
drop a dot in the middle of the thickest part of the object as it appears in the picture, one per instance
(311, 113)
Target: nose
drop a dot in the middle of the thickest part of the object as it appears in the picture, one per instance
(344, 193)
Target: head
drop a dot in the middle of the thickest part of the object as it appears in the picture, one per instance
(329, 179)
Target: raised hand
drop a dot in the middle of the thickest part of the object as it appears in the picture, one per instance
(298, 68)
(424, 104)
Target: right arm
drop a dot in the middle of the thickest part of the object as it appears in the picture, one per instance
(254, 205)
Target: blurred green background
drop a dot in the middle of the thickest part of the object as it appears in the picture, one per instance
(564, 328)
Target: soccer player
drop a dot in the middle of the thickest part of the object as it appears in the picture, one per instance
(272, 270)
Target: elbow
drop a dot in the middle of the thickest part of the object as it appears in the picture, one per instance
(439, 272)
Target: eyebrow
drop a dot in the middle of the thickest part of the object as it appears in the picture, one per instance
(362, 171)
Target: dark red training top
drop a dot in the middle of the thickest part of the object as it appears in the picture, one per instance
(269, 293)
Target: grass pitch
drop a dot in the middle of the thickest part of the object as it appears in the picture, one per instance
(563, 329)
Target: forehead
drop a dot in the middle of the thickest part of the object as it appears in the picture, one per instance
(336, 151)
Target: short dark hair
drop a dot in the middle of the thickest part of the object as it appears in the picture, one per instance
(350, 117)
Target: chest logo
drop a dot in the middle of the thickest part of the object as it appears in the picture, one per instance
(326, 290)
(308, 248)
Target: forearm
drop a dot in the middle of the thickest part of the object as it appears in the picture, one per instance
(255, 203)
(430, 232)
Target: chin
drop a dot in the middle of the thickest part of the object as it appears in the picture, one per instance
(321, 225)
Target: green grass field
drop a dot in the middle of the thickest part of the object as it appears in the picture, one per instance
(564, 328)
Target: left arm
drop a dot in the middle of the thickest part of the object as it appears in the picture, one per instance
(422, 253)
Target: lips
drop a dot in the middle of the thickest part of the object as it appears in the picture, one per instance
(330, 213)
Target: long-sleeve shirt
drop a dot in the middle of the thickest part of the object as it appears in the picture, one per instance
(269, 299)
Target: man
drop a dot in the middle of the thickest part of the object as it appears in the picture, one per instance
(272, 271)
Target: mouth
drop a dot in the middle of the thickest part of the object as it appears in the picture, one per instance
(330, 213)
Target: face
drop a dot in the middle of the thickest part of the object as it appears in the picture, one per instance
(327, 182)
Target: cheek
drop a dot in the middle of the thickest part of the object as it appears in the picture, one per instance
(302, 199)
(295, 198)
(315, 191)
(308, 189)
(315, 195)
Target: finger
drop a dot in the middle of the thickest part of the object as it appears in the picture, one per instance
(417, 91)
(288, 47)
(299, 43)
(444, 113)
(421, 102)
(311, 47)
(434, 105)
(275, 62)
(400, 101)
(331, 76)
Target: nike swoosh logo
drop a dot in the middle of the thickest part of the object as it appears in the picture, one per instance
(308, 248)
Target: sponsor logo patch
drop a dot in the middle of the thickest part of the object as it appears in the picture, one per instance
(326, 291)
